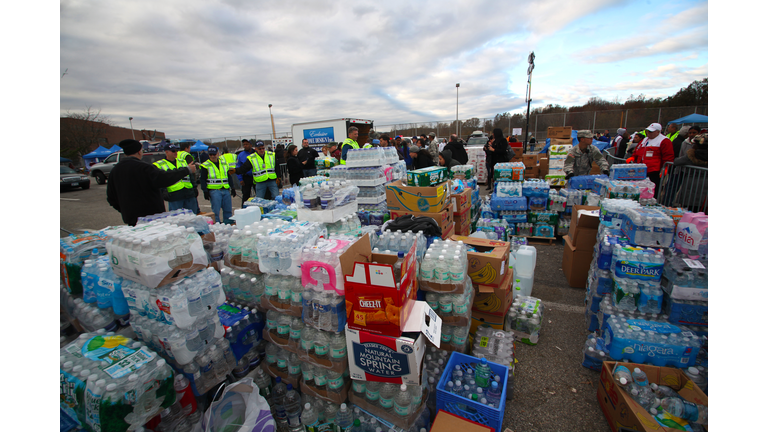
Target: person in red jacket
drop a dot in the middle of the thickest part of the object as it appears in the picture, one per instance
(655, 151)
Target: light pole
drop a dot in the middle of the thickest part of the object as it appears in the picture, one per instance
(273, 125)
(130, 119)
(531, 56)
(457, 109)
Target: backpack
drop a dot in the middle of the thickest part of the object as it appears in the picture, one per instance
(510, 153)
(415, 224)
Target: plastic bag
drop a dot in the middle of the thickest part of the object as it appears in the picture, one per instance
(240, 408)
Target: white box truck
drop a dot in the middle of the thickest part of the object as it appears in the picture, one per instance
(320, 133)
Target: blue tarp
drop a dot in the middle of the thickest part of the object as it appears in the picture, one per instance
(692, 118)
(199, 146)
(100, 152)
(64, 160)
(599, 144)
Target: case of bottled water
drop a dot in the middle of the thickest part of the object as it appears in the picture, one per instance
(327, 195)
(686, 312)
(556, 202)
(536, 188)
(367, 176)
(628, 171)
(509, 189)
(280, 252)
(111, 383)
(371, 157)
(265, 205)
(156, 253)
(612, 211)
(443, 268)
(498, 203)
(462, 172)
(525, 319)
(454, 308)
(399, 241)
(512, 217)
(621, 189)
(648, 227)
(654, 342)
(537, 203)
(509, 171)
(584, 181)
(595, 353)
(685, 278)
(495, 229)
(524, 229)
(573, 196)
(593, 199)
(563, 226)
(646, 187)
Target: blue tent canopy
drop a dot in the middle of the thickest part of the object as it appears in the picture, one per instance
(115, 148)
(100, 152)
(64, 160)
(692, 118)
(199, 146)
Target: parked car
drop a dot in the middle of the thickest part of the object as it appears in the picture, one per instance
(72, 179)
(101, 170)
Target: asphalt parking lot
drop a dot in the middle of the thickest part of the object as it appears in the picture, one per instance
(552, 391)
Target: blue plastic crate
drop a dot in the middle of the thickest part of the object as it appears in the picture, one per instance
(509, 203)
(469, 409)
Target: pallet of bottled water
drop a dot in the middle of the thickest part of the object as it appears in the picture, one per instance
(648, 227)
(686, 278)
(242, 287)
(524, 319)
(653, 342)
(573, 196)
(156, 253)
(509, 171)
(280, 252)
(396, 407)
(466, 401)
(584, 181)
(111, 383)
(371, 157)
(628, 171)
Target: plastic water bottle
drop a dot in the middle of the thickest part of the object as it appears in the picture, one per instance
(387, 397)
(686, 410)
(494, 394)
(403, 402)
(278, 398)
(343, 418)
(427, 270)
(483, 373)
(292, 404)
(309, 417)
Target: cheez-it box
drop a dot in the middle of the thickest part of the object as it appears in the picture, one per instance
(376, 302)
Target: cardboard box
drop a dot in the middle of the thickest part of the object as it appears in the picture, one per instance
(462, 201)
(595, 169)
(531, 172)
(462, 221)
(559, 142)
(486, 268)
(583, 230)
(621, 411)
(544, 164)
(562, 132)
(429, 176)
(430, 199)
(374, 357)
(451, 231)
(530, 160)
(519, 151)
(447, 422)
(575, 264)
(494, 300)
(376, 304)
(443, 218)
(559, 149)
(487, 320)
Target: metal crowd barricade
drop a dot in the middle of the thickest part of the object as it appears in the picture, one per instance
(609, 154)
(684, 186)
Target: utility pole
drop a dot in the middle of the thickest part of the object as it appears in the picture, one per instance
(457, 109)
(130, 119)
(531, 56)
(273, 125)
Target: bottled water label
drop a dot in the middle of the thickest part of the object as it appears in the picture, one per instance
(306, 345)
(458, 339)
(338, 353)
(358, 386)
(387, 403)
(282, 362)
(321, 350)
(271, 358)
(307, 374)
(371, 393)
(295, 333)
(445, 338)
(320, 380)
(460, 309)
(283, 329)
(336, 383)
(294, 369)
(402, 410)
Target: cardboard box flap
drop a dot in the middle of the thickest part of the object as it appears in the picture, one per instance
(447, 422)
(360, 251)
(485, 288)
(424, 320)
(586, 216)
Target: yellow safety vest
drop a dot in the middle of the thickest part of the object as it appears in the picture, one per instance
(350, 142)
(368, 146)
(263, 169)
(673, 136)
(217, 176)
(166, 165)
(182, 155)
(230, 159)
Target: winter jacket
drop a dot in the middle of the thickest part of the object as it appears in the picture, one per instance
(692, 192)
(654, 153)
(423, 160)
(499, 153)
(434, 150)
(579, 162)
(458, 151)
(295, 170)
(449, 161)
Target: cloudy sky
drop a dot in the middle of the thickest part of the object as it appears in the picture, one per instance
(208, 69)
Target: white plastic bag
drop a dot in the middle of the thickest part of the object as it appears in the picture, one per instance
(241, 408)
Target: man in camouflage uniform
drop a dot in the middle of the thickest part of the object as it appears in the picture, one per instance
(580, 158)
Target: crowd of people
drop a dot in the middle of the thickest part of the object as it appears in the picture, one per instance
(136, 188)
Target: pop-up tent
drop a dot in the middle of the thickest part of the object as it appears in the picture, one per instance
(64, 160)
(692, 118)
(97, 155)
(199, 146)
(115, 148)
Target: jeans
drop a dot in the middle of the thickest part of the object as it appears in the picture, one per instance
(310, 172)
(221, 200)
(261, 188)
(246, 188)
(189, 203)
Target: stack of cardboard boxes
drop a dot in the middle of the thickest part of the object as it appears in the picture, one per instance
(476, 157)
(492, 279)
(579, 243)
(430, 201)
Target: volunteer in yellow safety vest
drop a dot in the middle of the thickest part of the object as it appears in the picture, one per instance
(262, 163)
(183, 154)
(231, 161)
(181, 194)
(349, 143)
(672, 131)
(217, 184)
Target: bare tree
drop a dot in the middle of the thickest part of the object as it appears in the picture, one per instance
(80, 132)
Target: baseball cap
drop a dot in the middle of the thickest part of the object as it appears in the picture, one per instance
(584, 134)
(654, 127)
(432, 134)
(171, 147)
(376, 141)
(213, 150)
(259, 143)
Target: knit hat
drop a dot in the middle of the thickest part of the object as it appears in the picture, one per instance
(620, 131)
(130, 146)
(413, 149)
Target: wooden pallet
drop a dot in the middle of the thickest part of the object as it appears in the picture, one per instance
(541, 240)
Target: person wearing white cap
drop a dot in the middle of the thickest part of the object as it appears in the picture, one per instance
(655, 151)
(620, 142)
(579, 159)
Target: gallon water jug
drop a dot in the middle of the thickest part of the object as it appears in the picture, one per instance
(525, 264)
(247, 216)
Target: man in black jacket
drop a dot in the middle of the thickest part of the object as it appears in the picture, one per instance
(134, 187)
(457, 150)
(307, 156)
